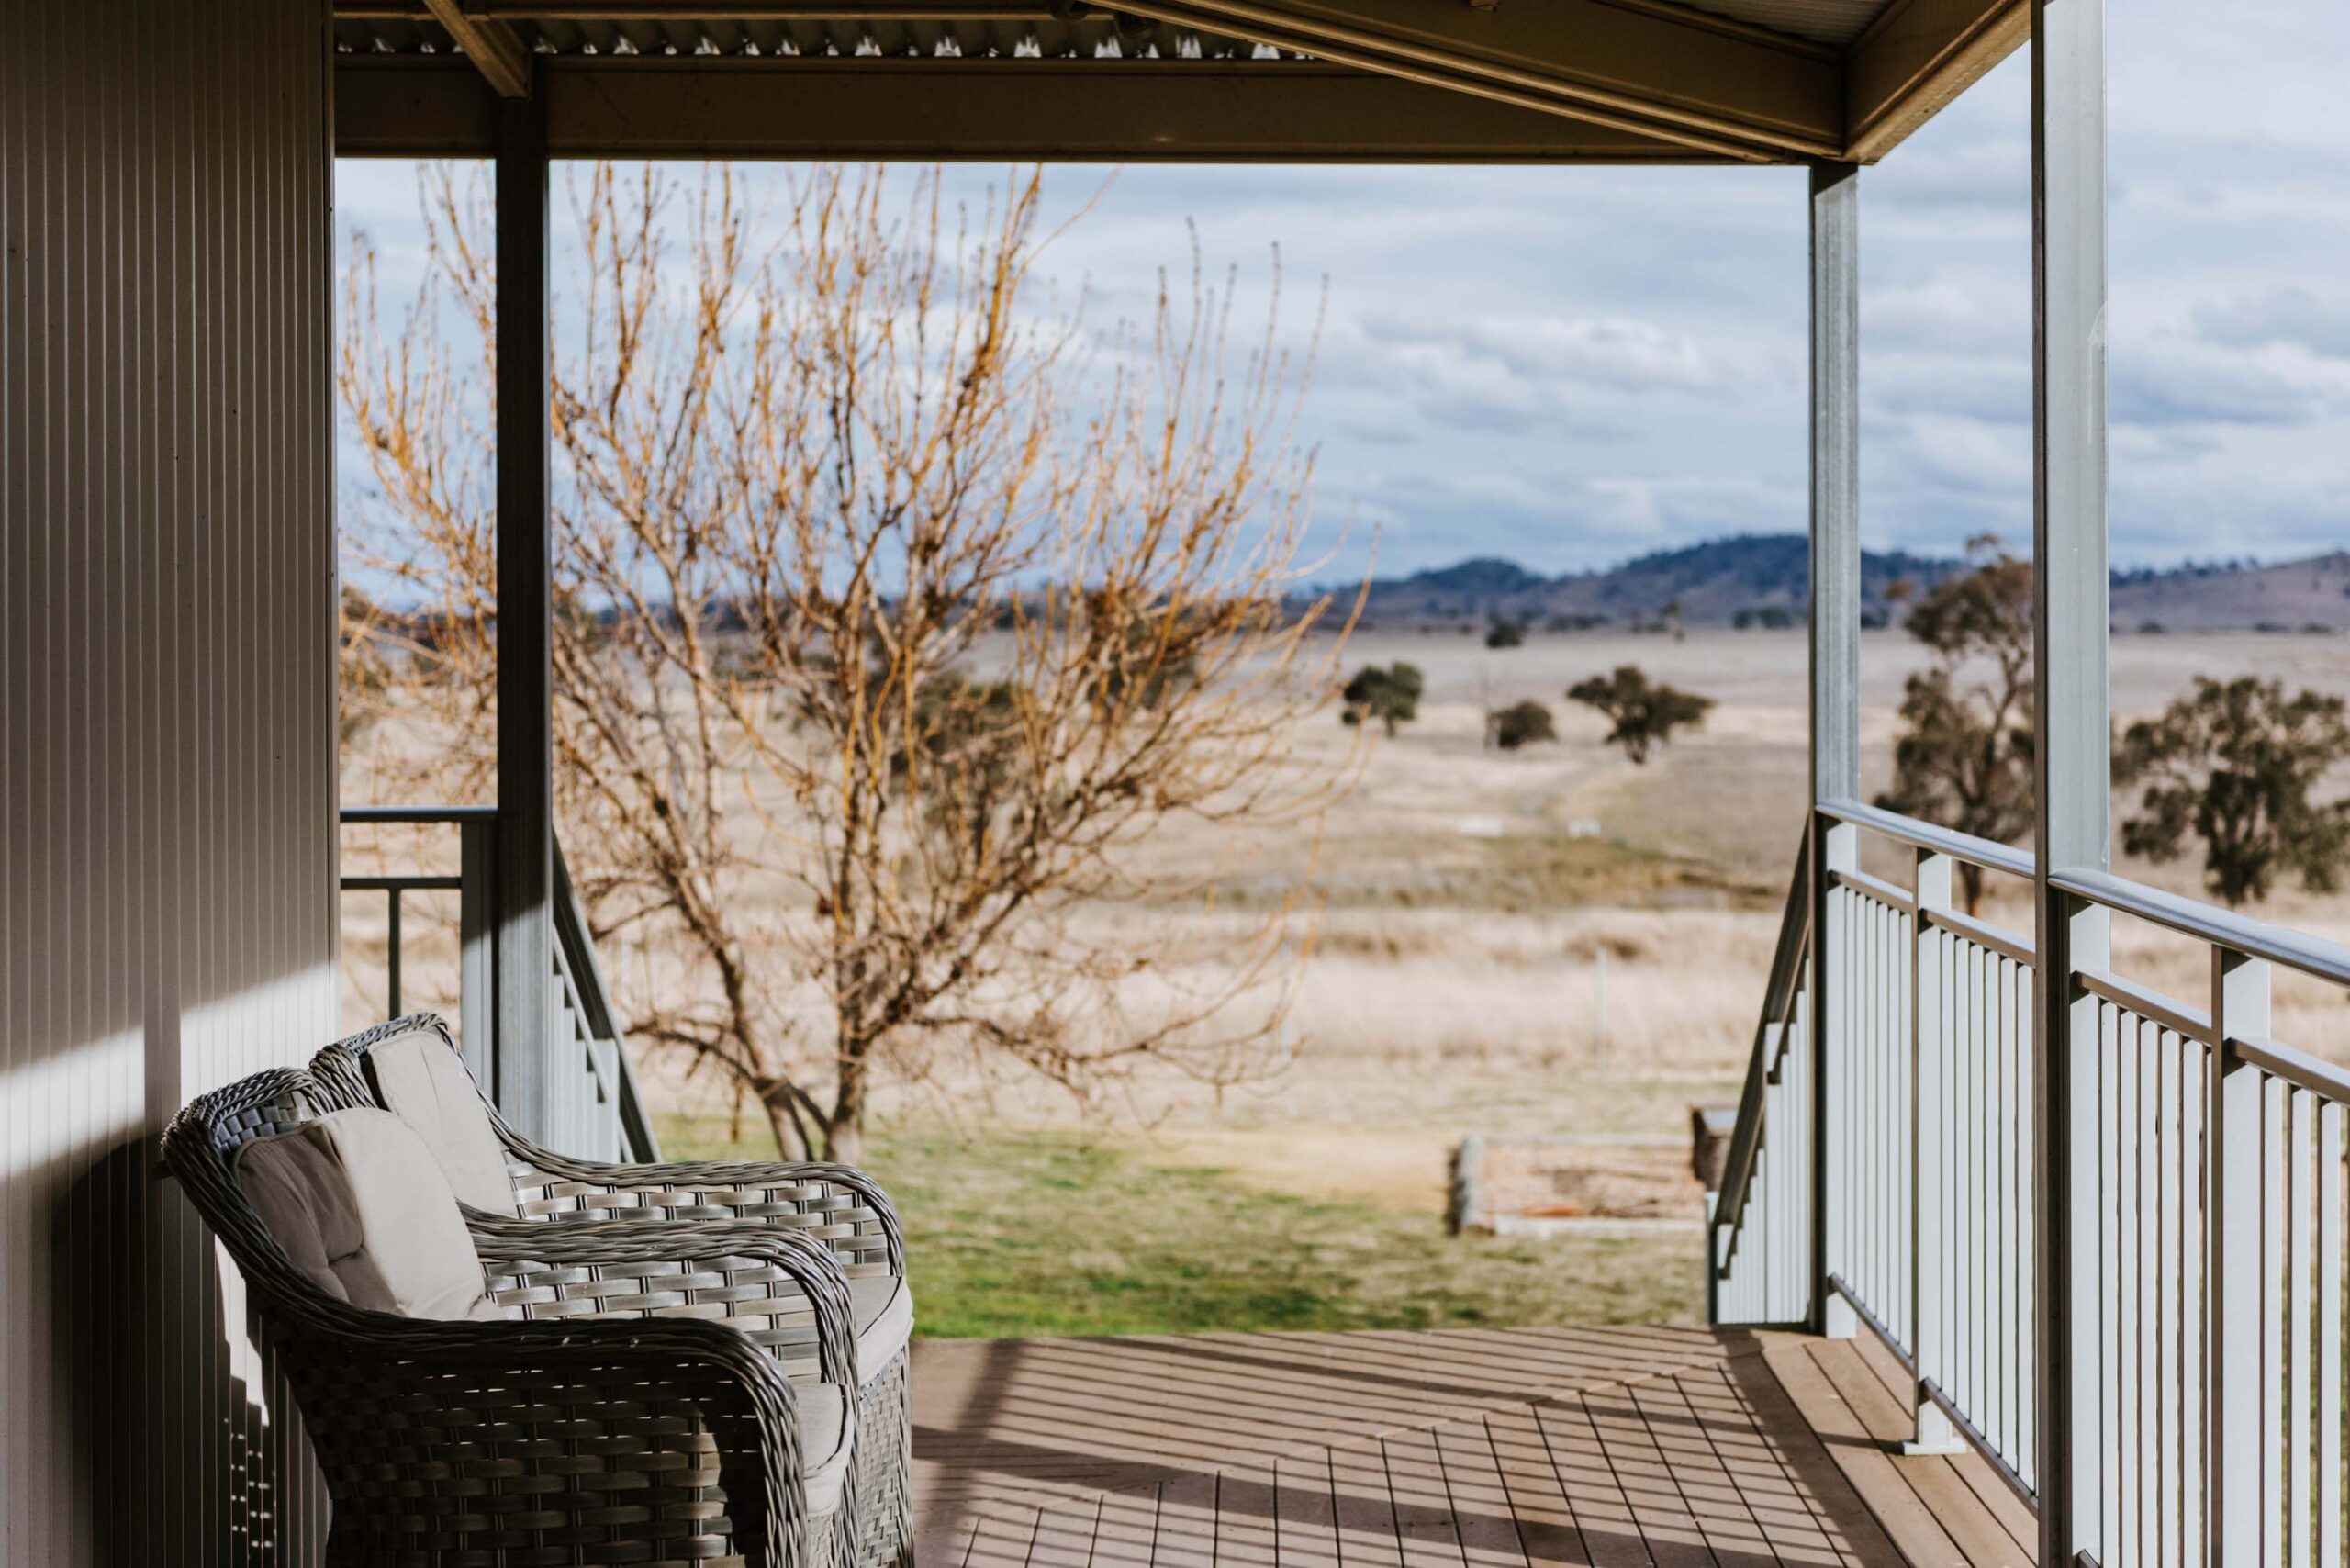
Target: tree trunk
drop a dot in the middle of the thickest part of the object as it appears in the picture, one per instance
(1970, 886)
(791, 1137)
(844, 1128)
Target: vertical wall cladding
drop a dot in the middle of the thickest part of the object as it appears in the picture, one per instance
(166, 741)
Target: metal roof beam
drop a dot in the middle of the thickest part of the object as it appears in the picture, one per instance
(1652, 70)
(1916, 57)
(492, 47)
(1077, 111)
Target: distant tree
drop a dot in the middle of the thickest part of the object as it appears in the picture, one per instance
(1644, 712)
(2233, 763)
(1519, 724)
(1668, 618)
(1390, 695)
(1504, 632)
(1964, 756)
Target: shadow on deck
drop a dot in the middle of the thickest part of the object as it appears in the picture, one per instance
(1465, 1448)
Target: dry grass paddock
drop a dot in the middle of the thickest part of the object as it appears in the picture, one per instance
(1455, 976)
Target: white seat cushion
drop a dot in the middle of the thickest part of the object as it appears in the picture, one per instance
(884, 1310)
(425, 1083)
(359, 1203)
(824, 1433)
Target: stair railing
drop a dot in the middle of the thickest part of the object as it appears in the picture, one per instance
(2198, 1169)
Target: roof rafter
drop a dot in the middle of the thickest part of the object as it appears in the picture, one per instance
(491, 45)
(1644, 69)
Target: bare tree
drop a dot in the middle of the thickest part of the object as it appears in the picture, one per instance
(894, 609)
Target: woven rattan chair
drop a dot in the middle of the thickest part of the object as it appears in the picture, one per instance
(411, 1066)
(622, 1406)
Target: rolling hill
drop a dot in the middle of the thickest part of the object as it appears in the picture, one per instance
(1751, 577)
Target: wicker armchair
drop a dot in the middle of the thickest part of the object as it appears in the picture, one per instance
(558, 1433)
(512, 1186)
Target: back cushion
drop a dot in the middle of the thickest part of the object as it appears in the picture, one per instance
(359, 1203)
(425, 1083)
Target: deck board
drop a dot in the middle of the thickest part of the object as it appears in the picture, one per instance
(1545, 1448)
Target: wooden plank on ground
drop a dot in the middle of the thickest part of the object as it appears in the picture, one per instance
(1603, 1513)
(1666, 1526)
(1785, 1514)
(1481, 1513)
(1546, 1520)
(1305, 1520)
(1424, 1526)
(2014, 1515)
(1185, 1524)
(1976, 1532)
(1363, 1507)
(1730, 1530)
(1915, 1535)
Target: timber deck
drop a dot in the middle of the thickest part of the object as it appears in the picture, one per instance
(1614, 1447)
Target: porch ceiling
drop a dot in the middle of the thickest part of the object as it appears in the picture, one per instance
(1562, 81)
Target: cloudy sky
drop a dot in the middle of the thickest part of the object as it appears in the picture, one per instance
(1570, 367)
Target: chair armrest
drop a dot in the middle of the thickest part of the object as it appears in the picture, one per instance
(399, 1406)
(701, 1179)
(591, 1270)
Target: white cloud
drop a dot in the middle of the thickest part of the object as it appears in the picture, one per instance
(1569, 365)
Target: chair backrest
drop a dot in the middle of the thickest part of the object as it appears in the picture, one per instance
(322, 1204)
(200, 1147)
(411, 1067)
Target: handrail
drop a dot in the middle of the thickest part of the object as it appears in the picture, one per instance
(414, 814)
(1786, 972)
(1989, 854)
(2222, 927)
(577, 966)
(575, 951)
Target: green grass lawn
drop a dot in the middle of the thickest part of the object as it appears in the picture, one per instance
(1036, 1233)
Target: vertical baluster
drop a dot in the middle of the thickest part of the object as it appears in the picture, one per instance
(2301, 1261)
(392, 952)
(2147, 1335)
(2012, 1197)
(2027, 1448)
(1932, 879)
(2272, 1239)
(2330, 1500)
(1891, 1128)
(1977, 1232)
(2240, 994)
(2191, 1277)
(2112, 1125)
(2167, 1285)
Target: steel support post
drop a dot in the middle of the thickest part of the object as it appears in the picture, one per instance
(2073, 723)
(522, 887)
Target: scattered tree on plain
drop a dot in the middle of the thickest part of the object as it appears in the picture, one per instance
(1504, 632)
(889, 615)
(1390, 694)
(1520, 724)
(2233, 765)
(1643, 713)
(1964, 756)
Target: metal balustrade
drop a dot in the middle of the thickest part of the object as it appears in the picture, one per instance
(593, 1109)
(2205, 1180)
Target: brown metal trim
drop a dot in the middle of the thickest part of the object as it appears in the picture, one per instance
(1078, 111)
(1639, 70)
(1916, 57)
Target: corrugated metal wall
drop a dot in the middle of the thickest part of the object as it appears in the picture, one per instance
(166, 710)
